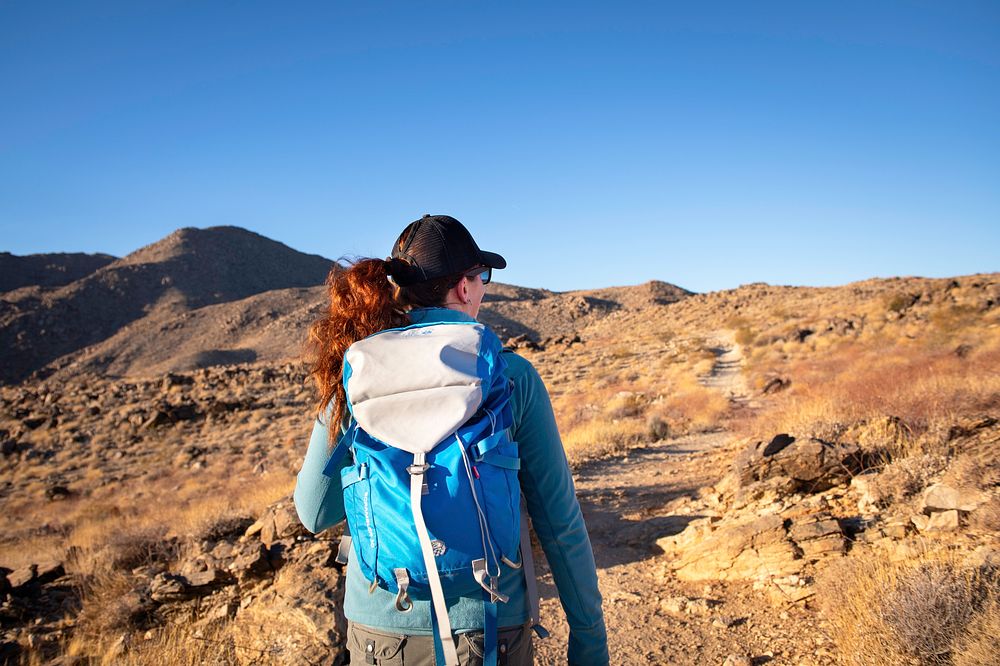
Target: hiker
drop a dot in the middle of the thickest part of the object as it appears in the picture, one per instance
(382, 315)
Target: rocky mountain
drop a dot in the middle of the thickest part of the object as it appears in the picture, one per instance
(206, 297)
(272, 326)
(47, 270)
(187, 270)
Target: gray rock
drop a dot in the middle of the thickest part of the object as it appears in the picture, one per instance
(812, 464)
(206, 579)
(252, 563)
(941, 497)
(18, 578)
(286, 522)
(168, 587)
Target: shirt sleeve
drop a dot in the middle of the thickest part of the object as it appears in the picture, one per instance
(555, 513)
(319, 500)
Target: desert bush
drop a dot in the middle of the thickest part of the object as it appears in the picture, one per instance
(745, 336)
(977, 468)
(986, 518)
(921, 611)
(626, 404)
(885, 436)
(101, 548)
(904, 478)
(176, 645)
(899, 302)
(106, 614)
(954, 318)
(926, 610)
(600, 437)
(659, 428)
(978, 644)
(691, 407)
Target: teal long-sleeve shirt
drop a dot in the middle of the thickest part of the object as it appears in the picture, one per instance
(555, 513)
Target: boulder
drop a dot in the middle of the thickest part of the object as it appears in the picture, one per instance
(203, 581)
(167, 587)
(818, 536)
(937, 521)
(812, 464)
(48, 571)
(941, 497)
(252, 563)
(303, 611)
(758, 548)
(763, 548)
(286, 522)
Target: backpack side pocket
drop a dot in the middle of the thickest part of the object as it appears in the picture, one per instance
(360, 516)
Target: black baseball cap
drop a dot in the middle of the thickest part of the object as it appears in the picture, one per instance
(437, 246)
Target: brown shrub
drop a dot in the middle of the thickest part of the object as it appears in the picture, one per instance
(745, 336)
(899, 302)
(884, 613)
(986, 517)
(906, 477)
(659, 428)
(926, 610)
(626, 404)
(978, 645)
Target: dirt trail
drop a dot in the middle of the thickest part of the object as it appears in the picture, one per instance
(726, 374)
(631, 501)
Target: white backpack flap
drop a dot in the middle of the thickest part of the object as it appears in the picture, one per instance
(413, 387)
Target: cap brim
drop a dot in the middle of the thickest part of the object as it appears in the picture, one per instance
(492, 259)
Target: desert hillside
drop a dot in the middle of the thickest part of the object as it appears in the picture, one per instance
(47, 270)
(770, 474)
(189, 269)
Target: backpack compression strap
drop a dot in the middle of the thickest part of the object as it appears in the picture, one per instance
(443, 624)
(528, 563)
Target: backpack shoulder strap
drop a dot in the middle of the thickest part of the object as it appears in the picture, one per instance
(344, 443)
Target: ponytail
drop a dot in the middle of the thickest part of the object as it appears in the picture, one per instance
(362, 302)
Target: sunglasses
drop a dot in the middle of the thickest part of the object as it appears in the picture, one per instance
(485, 274)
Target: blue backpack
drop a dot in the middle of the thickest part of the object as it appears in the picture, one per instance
(432, 496)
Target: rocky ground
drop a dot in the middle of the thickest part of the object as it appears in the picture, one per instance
(709, 546)
(733, 452)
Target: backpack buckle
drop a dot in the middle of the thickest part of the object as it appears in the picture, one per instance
(415, 469)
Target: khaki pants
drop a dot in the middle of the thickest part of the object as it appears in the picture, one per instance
(369, 646)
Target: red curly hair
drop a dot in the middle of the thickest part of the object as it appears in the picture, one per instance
(362, 301)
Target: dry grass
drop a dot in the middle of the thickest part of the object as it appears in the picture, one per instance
(978, 644)
(107, 540)
(598, 438)
(171, 646)
(692, 408)
(907, 396)
(655, 396)
(923, 611)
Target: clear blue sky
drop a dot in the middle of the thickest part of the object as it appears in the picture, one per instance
(708, 144)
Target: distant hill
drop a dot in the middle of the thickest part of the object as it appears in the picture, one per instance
(541, 314)
(189, 269)
(47, 270)
(205, 297)
(273, 325)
